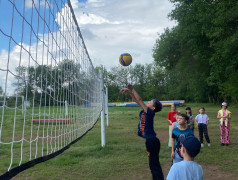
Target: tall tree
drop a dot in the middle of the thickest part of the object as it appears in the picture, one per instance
(199, 54)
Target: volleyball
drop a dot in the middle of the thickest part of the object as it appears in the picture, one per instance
(125, 59)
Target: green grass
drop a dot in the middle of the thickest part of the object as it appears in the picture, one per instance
(124, 156)
(12, 130)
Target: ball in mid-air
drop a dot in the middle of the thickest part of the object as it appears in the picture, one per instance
(125, 59)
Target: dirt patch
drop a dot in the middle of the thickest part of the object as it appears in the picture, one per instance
(210, 172)
(145, 175)
(163, 135)
(214, 173)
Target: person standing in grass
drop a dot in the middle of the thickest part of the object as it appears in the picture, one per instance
(224, 115)
(146, 130)
(178, 135)
(190, 115)
(171, 119)
(202, 122)
(187, 169)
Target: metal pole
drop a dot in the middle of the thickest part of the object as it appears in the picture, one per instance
(66, 108)
(106, 106)
(102, 112)
(22, 99)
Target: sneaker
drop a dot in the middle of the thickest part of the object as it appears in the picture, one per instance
(202, 145)
(208, 144)
(227, 144)
(222, 144)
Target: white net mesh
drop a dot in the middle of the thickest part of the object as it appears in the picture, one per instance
(50, 93)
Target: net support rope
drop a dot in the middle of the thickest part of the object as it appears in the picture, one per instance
(50, 94)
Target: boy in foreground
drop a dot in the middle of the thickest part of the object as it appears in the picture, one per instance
(187, 169)
(146, 130)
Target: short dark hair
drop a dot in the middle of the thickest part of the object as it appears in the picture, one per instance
(202, 108)
(188, 108)
(157, 104)
(184, 116)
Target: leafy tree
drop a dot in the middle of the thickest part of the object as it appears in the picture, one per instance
(1, 91)
(47, 85)
(199, 54)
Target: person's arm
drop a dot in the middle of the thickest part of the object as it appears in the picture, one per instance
(196, 120)
(207, 120)
(169, 118)
(228, 116)
(218, 115)
(135, 96)
(172, 149)
(172, 127)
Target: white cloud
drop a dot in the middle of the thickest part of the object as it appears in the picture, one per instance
(86, 18)
(38, 53)
(113, 27)
(109, 28)
(75, 3)
(29, 3)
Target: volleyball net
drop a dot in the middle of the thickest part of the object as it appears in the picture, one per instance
(50, 94)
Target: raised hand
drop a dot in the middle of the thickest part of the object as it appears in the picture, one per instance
(129, 86)
(124, 90)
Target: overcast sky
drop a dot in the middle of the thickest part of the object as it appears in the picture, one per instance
(112, 27)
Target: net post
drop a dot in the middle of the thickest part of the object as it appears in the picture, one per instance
(106, 106)
(102, 111)
(22, 104)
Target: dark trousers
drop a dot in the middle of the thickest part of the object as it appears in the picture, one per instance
(153, 148)
(203, 129)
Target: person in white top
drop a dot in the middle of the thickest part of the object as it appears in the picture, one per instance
(202, 123)
(187, 169)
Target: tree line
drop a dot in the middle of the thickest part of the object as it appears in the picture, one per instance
(196, 60)
(147, 79)
(200, 54)
(51, 85)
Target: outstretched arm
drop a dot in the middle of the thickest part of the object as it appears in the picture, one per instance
(135, 96)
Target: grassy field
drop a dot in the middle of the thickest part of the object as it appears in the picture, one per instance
(125, 157)
(38, 139)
